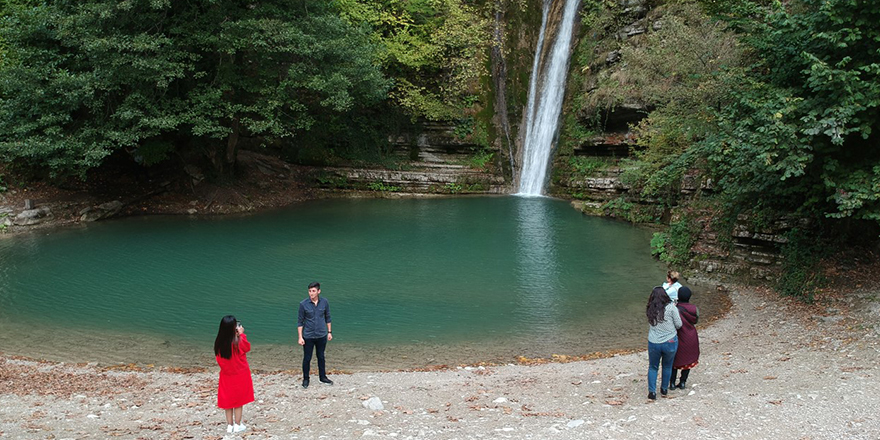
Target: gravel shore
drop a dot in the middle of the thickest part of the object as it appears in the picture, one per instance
(772, 368)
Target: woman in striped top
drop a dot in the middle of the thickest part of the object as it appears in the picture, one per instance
(663, 321)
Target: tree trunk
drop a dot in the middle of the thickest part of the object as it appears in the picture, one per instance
(223, 159)
(232, 147)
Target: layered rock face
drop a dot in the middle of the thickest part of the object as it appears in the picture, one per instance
(434, 161)
(753, 252)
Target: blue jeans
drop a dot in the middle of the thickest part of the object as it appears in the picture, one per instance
(656, 352)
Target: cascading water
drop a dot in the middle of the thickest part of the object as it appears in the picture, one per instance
(544, 107)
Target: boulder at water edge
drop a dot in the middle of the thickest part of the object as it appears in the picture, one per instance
(30, 217)
(103, 210)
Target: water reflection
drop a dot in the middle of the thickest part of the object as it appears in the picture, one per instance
(537, 268)
(26, 249)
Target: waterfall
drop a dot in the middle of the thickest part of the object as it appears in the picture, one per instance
(543, 110)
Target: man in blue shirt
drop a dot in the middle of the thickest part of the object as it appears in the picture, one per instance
(313, 325)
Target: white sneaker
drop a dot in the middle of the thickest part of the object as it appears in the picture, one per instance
(239, 428)
(229, 429)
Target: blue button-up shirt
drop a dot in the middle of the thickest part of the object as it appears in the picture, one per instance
(314, 318)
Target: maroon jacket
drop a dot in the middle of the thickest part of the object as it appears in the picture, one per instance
(688, 341)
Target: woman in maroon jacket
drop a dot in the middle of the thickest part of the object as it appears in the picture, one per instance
(688, 354)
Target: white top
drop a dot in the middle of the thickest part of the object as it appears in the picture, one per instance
(672, 290)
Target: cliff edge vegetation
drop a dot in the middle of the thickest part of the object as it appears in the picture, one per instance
(769, 109)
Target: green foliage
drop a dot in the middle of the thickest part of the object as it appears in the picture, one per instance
(682, 236)
(619, 204)
(431, 48)
(778, 103)
(481, 159)
(464, 127)
(800, 131)
(480, 135)
(476, 187)
(333, 181)
(631, 212)
(153, 151)
(600, 15)
(453, 188)
(340, 151)
(677, 69)
(582, 120)
(801, 275)
(674, 245)
(584, 166)
(680, 70)
(734, 10)
(383, 187)
(574, 134)
(469, 128)
(83, 79)
(658, 245)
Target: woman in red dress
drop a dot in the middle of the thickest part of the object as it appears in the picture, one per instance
(236, 386)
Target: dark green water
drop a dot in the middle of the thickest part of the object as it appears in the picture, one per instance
(410, 282)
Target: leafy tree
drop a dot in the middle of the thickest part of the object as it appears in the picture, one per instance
(431, 48)
(777, 102)
(783, 115)
(679, 71)
(80, 80)
(800, 133)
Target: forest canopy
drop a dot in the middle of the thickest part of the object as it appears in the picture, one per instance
(777, 102)
(80, 81)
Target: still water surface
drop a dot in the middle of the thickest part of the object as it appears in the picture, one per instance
(411, 283)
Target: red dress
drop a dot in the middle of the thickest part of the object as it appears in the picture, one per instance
(236, 386)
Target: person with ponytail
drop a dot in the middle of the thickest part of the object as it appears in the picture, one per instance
(672, 285)
(236, 385)
(663, 322)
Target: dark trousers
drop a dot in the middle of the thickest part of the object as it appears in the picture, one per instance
(684, 376)
(319, 344)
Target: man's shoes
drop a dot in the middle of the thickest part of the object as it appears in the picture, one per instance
(663, 392)
(306, 382)
(326, 380)
(652, 396)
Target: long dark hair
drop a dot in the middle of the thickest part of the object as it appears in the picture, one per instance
(657, 305)
(226, 337)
